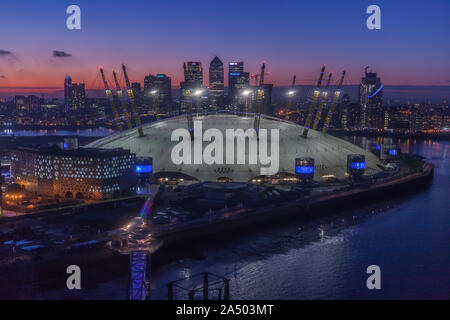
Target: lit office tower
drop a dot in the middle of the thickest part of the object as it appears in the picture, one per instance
(78, 96)
(216, 82)
(28, 104)
(237, 80)
(159, 87)
(74, 95)
(193, 81)
(33, 104)
(21, 103)
(371, 101)
(193, 74)
(67, 93)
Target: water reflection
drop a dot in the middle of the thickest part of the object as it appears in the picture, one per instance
(327, 258)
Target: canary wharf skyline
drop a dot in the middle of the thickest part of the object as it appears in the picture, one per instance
(37, 50)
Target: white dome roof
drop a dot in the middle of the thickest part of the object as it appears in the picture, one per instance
(330, 153)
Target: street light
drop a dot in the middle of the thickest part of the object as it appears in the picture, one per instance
(291, 94)
(246, 94)
(198, 94)
(155, 100)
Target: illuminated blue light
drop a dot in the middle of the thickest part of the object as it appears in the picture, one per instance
(304, 170)
(358, 165)
(393, 152)
(66, 146)
(376, 92)
(235, 73)
(378, 147)
(144, 169)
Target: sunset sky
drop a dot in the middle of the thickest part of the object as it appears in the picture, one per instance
(293, 37)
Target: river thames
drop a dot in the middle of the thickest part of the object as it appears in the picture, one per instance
(407, 237)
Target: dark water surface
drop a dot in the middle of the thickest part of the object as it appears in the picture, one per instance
(409, 238)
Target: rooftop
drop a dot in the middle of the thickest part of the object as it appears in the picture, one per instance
(330, 153)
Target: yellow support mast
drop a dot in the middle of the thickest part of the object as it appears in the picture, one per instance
(313, 104)
(111, 100)
(337, 95)
(122, 103)
(136, 118)
(322, 103)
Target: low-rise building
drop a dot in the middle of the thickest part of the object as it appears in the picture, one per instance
(82, 173)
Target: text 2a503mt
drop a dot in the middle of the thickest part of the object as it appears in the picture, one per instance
(230, 309)
(250, 309)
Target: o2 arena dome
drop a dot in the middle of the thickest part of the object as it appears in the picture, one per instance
(329, 153)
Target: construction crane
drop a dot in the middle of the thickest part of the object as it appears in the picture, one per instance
(259, 100)
(261, 78)
(256, 77)
(337, 95)
(291, 94)
(313, 104)
(136, 118)
(122, 102)
(111, 100)
(322, 103)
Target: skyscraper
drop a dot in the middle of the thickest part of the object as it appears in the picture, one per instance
(67, 93)
(371, 101)
(159, 87)
(216, 82)
(74, 95)
(237, 80)
(78, 96)
(33, 104)
(28, 104)
(193, 74)
(193, 81)
(21, 103)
